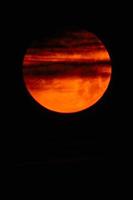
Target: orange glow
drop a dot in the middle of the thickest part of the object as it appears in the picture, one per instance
(69, 94)
(68, 79)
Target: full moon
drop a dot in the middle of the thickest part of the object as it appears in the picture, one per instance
(68, 72)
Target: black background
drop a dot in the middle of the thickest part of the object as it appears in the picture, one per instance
(81, 141)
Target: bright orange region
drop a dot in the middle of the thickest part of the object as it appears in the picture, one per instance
(69, 74)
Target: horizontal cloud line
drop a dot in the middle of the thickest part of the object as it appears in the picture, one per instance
(58, 70)
(86, 63)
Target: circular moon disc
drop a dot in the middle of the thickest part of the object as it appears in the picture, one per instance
(67, 73)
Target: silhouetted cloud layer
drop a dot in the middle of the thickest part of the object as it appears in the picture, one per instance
(73, 54)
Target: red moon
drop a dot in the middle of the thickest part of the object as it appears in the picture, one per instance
(67, 73)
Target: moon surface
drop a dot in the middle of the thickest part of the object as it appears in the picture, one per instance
(68, 72)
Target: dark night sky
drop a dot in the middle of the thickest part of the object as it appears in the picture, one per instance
(52, 140)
